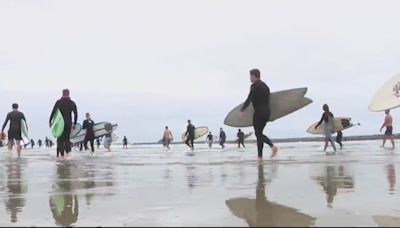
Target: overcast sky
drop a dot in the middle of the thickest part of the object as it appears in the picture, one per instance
(147, 64)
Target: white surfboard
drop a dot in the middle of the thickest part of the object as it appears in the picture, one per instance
(24, 132)
(198, 132)
(281, 104)
(339, 124)
(387, 97)
(76, 131)
(100, 129)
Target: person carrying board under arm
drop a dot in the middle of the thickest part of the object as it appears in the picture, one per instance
(327, 120)
(66, 107)
(388, 123)
(14, 133)
(88, 125)
(259, 96)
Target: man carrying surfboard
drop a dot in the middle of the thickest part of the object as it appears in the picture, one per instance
(388, 123)
(66, 107)
(89, 136)
(259, 95)
(14, 133)
(190, 135)
(327, 120)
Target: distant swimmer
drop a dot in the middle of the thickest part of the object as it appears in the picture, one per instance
(40, 143)
(259, 95)
(88, 125)
(222, 138)
(14, 133)
(190, 135)
(210, 139)
(66, 107)
(240, 136)
(32, 143)
(388, 124)
(327, 120)
(125, 143)
(108, 141)
(339, 138)
(167, 138)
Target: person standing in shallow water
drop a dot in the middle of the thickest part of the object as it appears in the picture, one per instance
(125, 143)
(259, 95)
(190, 135)
(167, 138)
(210, 140)
(14, 133)
(222, 138)
(66, 107)
(88, 125)
(327, 120)
(388, 123)
(240, 136)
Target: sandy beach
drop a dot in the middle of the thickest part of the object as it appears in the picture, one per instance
(146, 186)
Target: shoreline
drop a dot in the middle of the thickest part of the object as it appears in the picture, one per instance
(285, 140)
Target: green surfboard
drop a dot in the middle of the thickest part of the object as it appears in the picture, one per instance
(57, 124)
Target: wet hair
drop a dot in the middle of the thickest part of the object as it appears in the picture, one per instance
(15, 106)
(65, 92)
(255, 72)
(240, 130)
(166, 127)
(325, 107)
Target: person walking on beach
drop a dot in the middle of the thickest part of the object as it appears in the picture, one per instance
(327, 120)
(222, 138)
(66, 107)
(190, 135)
(108, 141)
(240, 136)
(210, 140)
(167, 138)
(15, 118)
(88, 125)
(32, 143)
(339, 138)
(259, 95)
(47, 142)
(388, 123)
(125, 143)
(40, 143)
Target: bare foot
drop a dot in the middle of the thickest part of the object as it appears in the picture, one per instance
(259, 160)
(274, 151)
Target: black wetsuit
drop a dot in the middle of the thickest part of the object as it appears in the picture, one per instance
(222, 138)
(66, 107)
(339, 138)
(259, 96)
(89, 137)
(190, 135)
(15, 118)
(240, 136)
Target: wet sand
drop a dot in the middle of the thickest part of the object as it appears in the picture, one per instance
(146, 186)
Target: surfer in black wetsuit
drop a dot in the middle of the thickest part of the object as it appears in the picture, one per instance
(339, 138)
(259, 96)
(210, 140)
(66, 107)
(190, 135)
(240, 136)
(222, 138)
(14, 133)
(89, 136)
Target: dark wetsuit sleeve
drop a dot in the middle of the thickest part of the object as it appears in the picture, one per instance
(320, 122)
(53, 112)
(84, 125)
(248, 100)
(5, 122)
(75, 110)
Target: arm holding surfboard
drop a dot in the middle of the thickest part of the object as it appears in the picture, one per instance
(53, 113)
(246, 103)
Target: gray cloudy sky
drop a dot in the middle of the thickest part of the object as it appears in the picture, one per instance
(145, 64)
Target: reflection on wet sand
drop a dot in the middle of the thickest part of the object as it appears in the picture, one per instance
(333, 178)
(391, 177)
(191, 176)
(15, 190)
(260, 212)
(63, 201)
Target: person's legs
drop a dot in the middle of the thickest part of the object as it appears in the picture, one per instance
(85, 144)
(92, 145)
(326, 144)
(187, 142)
(192, 142)
(258, 129)
(60, 147)
(19, 147)
(392, 140)
(333, 144)
(67, 140)
(339, 141)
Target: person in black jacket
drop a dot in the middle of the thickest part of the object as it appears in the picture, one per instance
(14, 133)
(88, 125)
(222, 138)
(240, 136)
(66, 107)
(259, 96)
